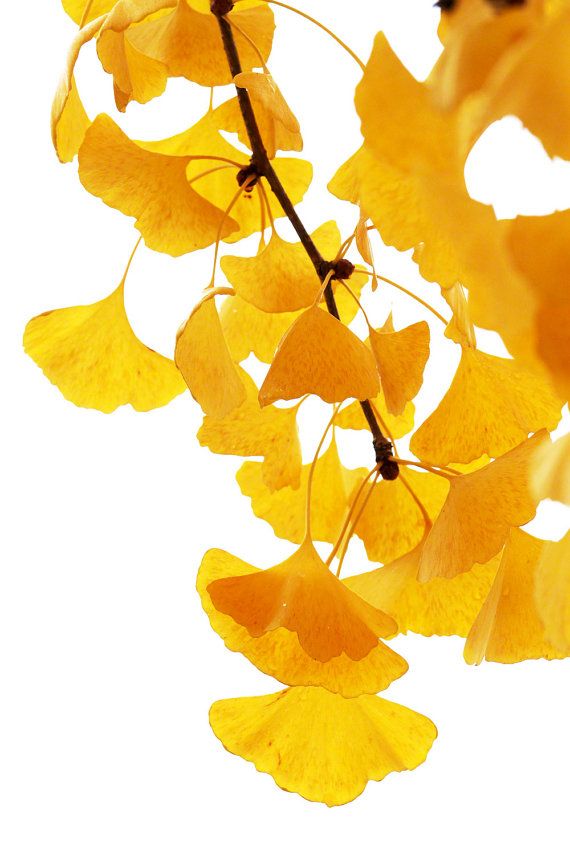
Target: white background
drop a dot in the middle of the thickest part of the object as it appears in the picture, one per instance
(107, 664)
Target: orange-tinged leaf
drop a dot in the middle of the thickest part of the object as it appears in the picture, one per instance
(401, 358)
(320, 745)
(152, 187)
(551, 472)
(252, 431)
(479, 512)
(492, 405)
(281, 278)
(319, 355)
(284, 510)
(553, 593)
(93, 356)
(303, 596)
(279, 653)
(508, 629)
(438, 607)
(204, 361)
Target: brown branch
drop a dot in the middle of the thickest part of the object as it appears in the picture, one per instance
(262, 166)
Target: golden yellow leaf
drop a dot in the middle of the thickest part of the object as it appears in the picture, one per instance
(274, 135)
(352, 417)
(553, 593)
(479, 512)
(319, 355)
(203, 358)
(252, 431)
(492, 405)
(93, 356)
(153, 187)
(320, 745)
(279, 654)
(551, 471)
(284, 510)
(136, 77)
(541, 251)
(401, 358)
(392, 523)
(304, 597)
(438, 607)
(187, 40)
(508, 629)
(281, 278)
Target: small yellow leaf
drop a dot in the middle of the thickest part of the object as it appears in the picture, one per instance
(551, 471)
(479, 512)
(401, 358)
(319, 355)
(204, 361)
(279, 652)
(352, 417)
(320, 745)
(553, 593)
(284, 130)
(508, 629)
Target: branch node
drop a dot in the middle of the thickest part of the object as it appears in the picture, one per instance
(342, 269)
(249, 174)
(219, 8)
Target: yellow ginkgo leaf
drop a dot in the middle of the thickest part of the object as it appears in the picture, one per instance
(284, 510)
(275, 136)
(479, 512)
(533, 83)
(303, 596)
(187, 40)
(152, 187)
(392, 524)
(136, 77)
(279, 652)
(253, 431)
(204, 361)
(281, 278)
(401, 358)
(250, 330)
(438, 607)
(541, 251)
(320, 745)
(492, 405)
(553, 593)
(84, 11)
(508, 628)
(551, 471)
(352, 417)
(319, 355)
(93, 356)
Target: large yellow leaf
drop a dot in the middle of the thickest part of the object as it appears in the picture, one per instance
(279, 652)
(492, 405)
(479, 512)
(438, 607)
(92, 355)
(320, 745)
(152, 187)
(508, 628)
(320, 356)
